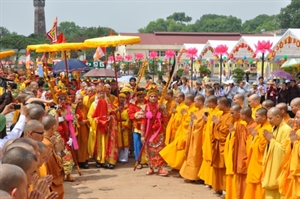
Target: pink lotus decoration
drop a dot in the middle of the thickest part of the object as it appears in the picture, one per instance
(119, 58)
(153, 55)
(191, 52)
(263, 46)
(139, 56)
(170, 54)
(128, 57)
(221, 50)
(111, 59)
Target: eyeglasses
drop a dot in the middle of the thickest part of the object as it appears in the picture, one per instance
(41, 133)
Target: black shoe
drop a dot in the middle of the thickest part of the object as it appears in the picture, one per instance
(98, 165)
(111, 166)
(83, 165)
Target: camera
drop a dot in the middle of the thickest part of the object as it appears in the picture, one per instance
(53, 106)
(13, 85)
(4, 82)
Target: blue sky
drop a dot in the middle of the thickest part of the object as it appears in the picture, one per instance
(125, 15)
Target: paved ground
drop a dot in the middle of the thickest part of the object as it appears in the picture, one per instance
(123, 182)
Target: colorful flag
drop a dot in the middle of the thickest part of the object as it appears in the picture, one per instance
(52, 33)
(61, 38)
(100, 52)
(27, 59)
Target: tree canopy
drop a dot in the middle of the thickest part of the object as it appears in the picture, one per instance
(289, 16)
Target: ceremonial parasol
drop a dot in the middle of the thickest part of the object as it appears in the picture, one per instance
(282, 74)
(72, 65)
(100, 72)
(5, 54)
(291, 63)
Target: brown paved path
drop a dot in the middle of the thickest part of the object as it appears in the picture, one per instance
(123, 182)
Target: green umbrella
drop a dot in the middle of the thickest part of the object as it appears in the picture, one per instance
(291, 63)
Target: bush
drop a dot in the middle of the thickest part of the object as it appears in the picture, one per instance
(180, 72)
(238, 74)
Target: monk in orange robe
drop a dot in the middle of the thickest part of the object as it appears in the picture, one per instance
(194, 142)
(284, 111)
(235, 156)
(255, 156)
(219, 134)
(289, 182)
(81, 112)
(206, 170)
(246, 115)
(54, 164)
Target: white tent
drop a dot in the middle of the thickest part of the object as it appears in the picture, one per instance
(245, 47)
(208, 49)
(199, 47)
(288, 44)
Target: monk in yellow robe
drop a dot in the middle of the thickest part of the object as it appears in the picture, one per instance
(98, 120)
(219, 134)
(174, 153)
(289, 182)
(235, 155)
(81, 112)
(206, 171)
(125, 131)
(254, 103)
(170, 103)
(257, 144)
(194, 142)
(274, 153)
(89, 98)
(176, 118)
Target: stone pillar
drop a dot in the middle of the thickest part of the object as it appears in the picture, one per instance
(39, 17)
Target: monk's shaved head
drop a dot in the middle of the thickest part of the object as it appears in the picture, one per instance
(262, 112)
(22, 145)
(254, 97)
(12, 177)
(282, 106)
(240, 97)
(275, 111)
(190, 97)
(48, 122)
(247, 112)
(200, 98)
(236, 107)
(29, 141)
(267, 104)
(32, 125)
(225, 101)
(296, 101)
(180, 94)
(36, 113)
(20, 157)
(212, 99)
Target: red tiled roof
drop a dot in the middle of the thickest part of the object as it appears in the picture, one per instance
(179, 38)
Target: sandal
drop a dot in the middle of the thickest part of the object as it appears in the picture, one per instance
(139, 166)
(70, 178)
(162, 172)
(150, 172)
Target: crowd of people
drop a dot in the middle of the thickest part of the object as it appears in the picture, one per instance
(241, 140)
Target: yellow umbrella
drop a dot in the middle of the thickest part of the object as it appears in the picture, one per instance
(57, 47)
(111, 41)
(8, 53)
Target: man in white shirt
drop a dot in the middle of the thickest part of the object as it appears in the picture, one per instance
(185, 87)
(18, 128)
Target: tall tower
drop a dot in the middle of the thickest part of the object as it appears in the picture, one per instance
(39, 16)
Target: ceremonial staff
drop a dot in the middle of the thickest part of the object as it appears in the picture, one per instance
(164, 92)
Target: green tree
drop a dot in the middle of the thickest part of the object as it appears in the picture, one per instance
(70, 30)
(289, 16)
(4, 31)
(17, 43)
(259, 23)
(160, 25)
(180, 17)
(218, 23)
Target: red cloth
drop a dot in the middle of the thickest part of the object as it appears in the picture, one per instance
(101, 114)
